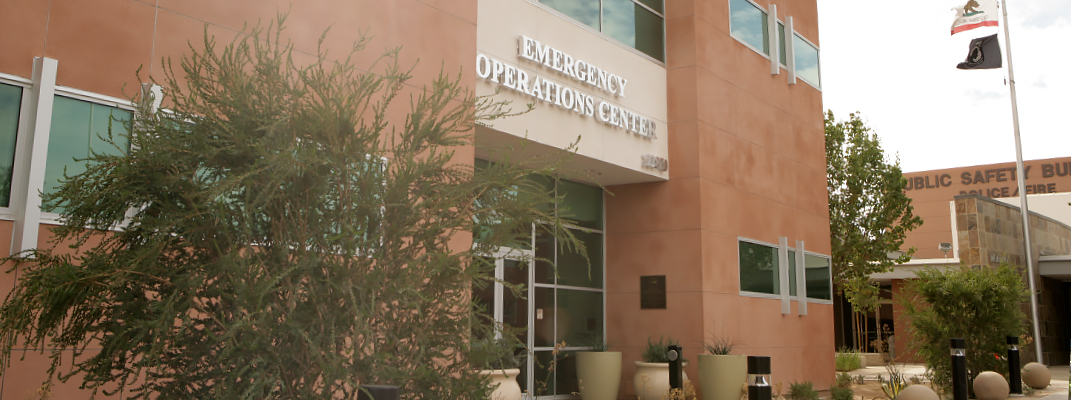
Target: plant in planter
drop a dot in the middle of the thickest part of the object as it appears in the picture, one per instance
(598, 370)
(721, 374)
(651, 380)
(499, 359)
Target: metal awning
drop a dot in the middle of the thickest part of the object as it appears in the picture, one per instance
(1055, 267)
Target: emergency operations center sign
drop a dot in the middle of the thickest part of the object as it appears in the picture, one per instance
(563, 96)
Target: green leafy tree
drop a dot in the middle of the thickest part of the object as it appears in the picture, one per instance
(282, 238)
(979, 305)
(863, 295)
(869, 213)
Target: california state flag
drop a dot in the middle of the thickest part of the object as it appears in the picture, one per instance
(975, 14)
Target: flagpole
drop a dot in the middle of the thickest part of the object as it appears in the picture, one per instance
(1021, 176)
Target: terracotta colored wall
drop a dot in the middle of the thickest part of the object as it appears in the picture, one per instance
(904, 353)
(101, 43)
(746, 160)
(931, 192)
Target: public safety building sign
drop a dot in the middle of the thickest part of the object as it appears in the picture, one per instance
(566, 97)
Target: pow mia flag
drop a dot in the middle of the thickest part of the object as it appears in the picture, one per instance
(984, 54)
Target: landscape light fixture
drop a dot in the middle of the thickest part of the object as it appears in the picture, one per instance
(1015, 372)
(758, 378)
(959, 369)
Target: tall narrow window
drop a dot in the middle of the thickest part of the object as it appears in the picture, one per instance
(807, 66)
(10, 100)
(569, 287)
(79, 129)
(818, 272)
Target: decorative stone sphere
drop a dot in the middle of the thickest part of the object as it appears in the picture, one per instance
(990, 385)
(1036, 375)
(917, 392)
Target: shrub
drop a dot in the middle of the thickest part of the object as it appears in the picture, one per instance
(498, 354)
(656, 352)
(979, 305)
(719, 345)
(802, 391)
(847, 360)
(842, 393)
(844, 380)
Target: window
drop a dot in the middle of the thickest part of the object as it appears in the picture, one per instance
(569, 298)
(759, 268)
(818, 273)
(636, 23)
(781, 43)
(565, 294)
(79, 129)
(747, 23)
(10, 101)
(760, 271)
(806, 60)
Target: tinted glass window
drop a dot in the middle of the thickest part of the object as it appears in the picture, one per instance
(585, 11)
(748, 24)
(818, 278)
(80, 128)
(631, 22)
(10, 100)
(781, 43)
(759, 268)
(806, 61)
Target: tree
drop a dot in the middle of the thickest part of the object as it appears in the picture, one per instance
(869, 213)
(863, 295)
(281, 236)
(981, 306)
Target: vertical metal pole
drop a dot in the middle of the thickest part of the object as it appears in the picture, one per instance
(676, 375)
(959, 369)
(1015, 372)
(1021, 176)
(758, 378)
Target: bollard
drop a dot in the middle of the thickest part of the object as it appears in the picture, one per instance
(959, 369)
(1015, 371)
(378, 392)
(676, 364)
(758, 378)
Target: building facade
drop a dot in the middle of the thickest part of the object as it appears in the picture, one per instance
(972, 216)
(697, 129)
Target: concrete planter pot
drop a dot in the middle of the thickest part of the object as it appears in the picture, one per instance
(505, 383)
(599, 373)
(722, 377)
(651, 380)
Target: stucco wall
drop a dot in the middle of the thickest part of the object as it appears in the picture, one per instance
(748, 160)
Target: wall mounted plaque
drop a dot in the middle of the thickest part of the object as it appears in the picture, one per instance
(653, 292)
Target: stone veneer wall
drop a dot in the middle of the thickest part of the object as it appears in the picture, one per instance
(990, 232)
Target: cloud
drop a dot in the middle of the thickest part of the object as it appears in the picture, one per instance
(1039, 83)
(1045, 14)
(984, 95)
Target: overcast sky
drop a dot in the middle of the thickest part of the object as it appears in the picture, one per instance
(895, 63)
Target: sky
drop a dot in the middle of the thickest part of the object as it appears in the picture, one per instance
(895, 64)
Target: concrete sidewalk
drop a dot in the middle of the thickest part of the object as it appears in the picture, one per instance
(1057, 390)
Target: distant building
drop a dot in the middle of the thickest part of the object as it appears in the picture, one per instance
(972, 217)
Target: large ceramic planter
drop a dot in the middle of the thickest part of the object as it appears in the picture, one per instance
(651, 380)
(722, 377)
(599, 374)
(505, 383)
